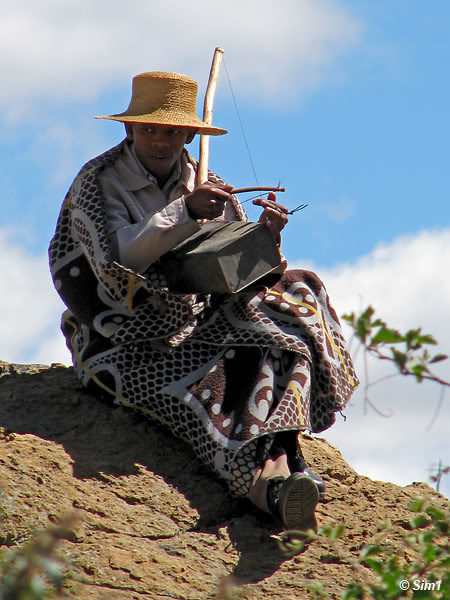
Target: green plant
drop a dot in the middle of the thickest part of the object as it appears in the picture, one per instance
(410, 359)
(381, 575)
(407, 352)
(35, 571)
(438, 472)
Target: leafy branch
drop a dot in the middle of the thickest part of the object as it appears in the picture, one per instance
(438, 473)
(381, 574)
(26, 572)
(406, 351)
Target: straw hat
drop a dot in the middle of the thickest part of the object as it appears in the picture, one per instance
(164, 99)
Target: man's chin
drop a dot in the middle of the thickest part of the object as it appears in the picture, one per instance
(160, 166)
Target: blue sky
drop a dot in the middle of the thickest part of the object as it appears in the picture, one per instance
(343, 102)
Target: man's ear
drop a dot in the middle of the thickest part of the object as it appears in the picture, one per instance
(191, 135)
(129, 130)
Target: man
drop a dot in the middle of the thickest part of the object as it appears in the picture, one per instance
(237, 375)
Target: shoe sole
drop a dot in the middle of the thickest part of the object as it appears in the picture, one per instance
(299, 496)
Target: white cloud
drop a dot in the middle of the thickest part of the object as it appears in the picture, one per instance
(74, 50)
(407, 283)
(30, 309)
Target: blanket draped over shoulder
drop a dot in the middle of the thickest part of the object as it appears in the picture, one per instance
(222, 371)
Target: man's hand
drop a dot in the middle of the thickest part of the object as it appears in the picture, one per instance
(207, 201)
(274, 216)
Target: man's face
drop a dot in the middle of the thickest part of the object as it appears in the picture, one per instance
(159, 146)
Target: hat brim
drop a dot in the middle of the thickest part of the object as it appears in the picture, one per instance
(176, 120)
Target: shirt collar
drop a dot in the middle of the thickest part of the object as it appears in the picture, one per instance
(135, 176)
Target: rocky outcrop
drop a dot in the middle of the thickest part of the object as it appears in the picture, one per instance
(151, 521)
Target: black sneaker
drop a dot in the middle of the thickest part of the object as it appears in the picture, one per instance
(293, 500)
(287, 442)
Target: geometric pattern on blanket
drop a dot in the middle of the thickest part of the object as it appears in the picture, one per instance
(220, 370)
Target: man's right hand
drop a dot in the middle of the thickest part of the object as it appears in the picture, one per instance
(207, 201)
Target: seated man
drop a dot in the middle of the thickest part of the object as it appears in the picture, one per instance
(236, 375)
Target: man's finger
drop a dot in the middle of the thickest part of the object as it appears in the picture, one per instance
(270, 204)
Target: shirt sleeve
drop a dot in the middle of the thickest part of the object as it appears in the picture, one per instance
(137, 245)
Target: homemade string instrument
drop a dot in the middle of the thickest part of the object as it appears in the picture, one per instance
(222, 256)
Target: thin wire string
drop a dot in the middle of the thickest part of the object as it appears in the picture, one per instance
(240, 123)
(291, 212)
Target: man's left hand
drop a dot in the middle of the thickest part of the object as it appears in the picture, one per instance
(274, 216)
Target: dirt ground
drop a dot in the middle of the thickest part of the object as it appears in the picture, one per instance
(151, 521)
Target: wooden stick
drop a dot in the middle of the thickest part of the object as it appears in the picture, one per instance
(258, 188)
(202, 168)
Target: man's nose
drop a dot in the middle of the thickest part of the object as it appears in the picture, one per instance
(160, 139)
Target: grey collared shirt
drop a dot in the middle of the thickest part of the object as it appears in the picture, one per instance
(143, 220)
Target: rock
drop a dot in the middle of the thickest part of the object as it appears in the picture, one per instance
(151, 521)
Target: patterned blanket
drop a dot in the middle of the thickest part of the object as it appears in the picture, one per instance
(225, 372)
